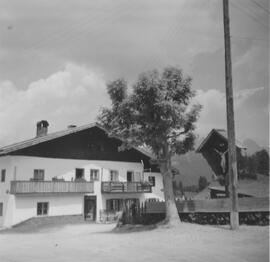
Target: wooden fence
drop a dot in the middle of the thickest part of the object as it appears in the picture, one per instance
(249, 204)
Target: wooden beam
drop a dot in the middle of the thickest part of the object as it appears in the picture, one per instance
(234, 216)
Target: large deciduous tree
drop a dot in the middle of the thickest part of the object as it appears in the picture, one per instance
(157, 114)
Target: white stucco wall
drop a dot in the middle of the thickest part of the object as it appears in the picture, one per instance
(21, 207)
(66, 204)
(8, 202)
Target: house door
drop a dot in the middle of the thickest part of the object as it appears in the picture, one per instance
(129, 176)
(90, 207)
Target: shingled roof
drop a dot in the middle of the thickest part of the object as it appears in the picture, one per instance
(6, 150)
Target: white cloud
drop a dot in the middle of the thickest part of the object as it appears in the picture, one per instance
(242, 95)
(213, 113)
(71, 96)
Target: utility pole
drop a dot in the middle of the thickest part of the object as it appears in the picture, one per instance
(232, 170)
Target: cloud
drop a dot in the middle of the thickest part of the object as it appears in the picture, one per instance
(243, 95)
(213, 113)
(71, 96)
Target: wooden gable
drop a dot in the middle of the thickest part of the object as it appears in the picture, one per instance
(89, 144)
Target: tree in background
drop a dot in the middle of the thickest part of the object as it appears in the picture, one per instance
(177, 188)
(157, 114)
(202, 183)
(181, 187)
(250, 166)
(262, 162)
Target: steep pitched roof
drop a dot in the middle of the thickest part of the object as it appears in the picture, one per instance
(223, 134)
(51, 136)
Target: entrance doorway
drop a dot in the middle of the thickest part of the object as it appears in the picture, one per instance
(90, 207)
(130, 176)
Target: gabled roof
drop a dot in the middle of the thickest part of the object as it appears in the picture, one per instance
(223, 134)
(51, 136)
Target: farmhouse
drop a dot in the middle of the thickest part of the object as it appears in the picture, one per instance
(75, 171)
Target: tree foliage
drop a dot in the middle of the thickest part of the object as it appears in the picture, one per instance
(249, 166)
(156, 114)
(202, 183)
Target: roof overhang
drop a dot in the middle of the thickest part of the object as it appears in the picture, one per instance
(222, 134)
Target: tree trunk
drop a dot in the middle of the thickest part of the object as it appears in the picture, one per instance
(172, 218)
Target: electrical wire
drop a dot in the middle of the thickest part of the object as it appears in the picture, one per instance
(259, 5)
(250, 15)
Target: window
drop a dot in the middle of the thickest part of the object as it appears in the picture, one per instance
(114, 204)
(94, 174)
(1, 209)
(3, 175)
(130, 176)
(39, 174)
(114, 175)
(42, 208)
(79, 173)
(152, 180)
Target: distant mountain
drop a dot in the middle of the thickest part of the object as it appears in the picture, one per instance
(252, 146)
(191, 166)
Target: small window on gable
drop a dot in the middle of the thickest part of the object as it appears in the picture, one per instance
(94, 174)
(114, 175)
(3, 175)
(39, 174)
(1, 209)
(152, 180)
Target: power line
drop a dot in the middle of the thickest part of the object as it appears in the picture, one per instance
(250, 38)
(261, 6)
(250, 15)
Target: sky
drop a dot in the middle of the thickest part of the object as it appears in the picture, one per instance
(57, 56)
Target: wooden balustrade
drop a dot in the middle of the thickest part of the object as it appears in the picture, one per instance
(30, 187)
(125, 187)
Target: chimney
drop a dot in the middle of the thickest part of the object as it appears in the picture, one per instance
(42, 128)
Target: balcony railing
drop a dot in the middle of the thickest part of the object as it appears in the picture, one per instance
(125, 187)
(37, 187)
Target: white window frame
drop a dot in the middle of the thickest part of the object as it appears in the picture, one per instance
(39, 174)
(94, 174)
(114, 175)
(43, 208)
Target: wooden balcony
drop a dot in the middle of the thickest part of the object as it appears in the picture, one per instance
(125, 187)
(46, 187)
